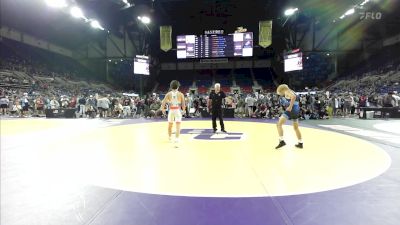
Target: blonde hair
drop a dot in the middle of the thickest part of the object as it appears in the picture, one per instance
(282, 89)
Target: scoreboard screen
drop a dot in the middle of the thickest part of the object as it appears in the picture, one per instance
(214, 46)
(141, 65)
(293, 62)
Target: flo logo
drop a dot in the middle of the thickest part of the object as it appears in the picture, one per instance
(208, 134)
(370, 15)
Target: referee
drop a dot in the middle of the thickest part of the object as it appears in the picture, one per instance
(215, 102)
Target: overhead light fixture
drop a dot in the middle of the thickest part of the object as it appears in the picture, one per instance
(57, 3)
(290, 12)
(144, 19)
(77, 12)
(349, 12)
(126, 3)
(109, 60)
(95, 24)
(328, 54)
(364, 2)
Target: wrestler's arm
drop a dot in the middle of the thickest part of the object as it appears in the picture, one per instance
(164, 101)
(183, 103)
(292, 97)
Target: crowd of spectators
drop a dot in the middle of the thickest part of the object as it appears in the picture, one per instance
(23, 94)
(314, 105)
(343, 99)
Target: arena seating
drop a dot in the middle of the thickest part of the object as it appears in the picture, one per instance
(203, 90)
(226, 89)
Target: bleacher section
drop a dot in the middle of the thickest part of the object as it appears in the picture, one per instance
(316, 69)
(244, 80)
(226, 89)
(36, 61)
(204, 80)
(226, 82)
(203, 86)
(185, 85)
(264, 78)
(185, 78)
(37, 70)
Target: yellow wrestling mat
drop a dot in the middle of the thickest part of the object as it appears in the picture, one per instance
(244, 162)
(24, 125)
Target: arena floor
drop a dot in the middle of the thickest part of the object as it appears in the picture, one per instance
(82, 171)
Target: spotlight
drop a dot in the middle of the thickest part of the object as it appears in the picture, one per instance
(349, 12)
(144, 19)
(126, 3)
(364, 2)
(76, 12)
(95, 24)
(109, 60)
(57, 3)
(290, 12)
(328, 54)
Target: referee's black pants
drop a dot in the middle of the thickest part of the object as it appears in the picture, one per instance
(217, 113)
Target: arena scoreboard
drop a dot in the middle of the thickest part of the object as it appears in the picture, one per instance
(293, 61)
(215, 45)
(141, 65)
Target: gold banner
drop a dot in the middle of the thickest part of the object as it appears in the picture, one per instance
(265, 36)
(165, 38)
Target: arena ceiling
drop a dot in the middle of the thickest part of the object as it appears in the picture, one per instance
(186, 16)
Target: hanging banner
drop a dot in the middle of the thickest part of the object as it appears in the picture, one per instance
(165, 38)
(265, 33)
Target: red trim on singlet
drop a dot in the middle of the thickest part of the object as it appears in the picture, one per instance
(174, 107)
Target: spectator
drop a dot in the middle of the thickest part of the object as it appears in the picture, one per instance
(4, 104)
(39, 105)
(117, 109)
(25, 105)
(396, 99)
(82, 106)
(250, 104)
(15, 108)
(102, 105)
(91, 107)
(54, 104)
(388, 100)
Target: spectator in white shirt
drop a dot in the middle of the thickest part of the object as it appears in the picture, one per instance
(103, 105)
(4, 104)
(54, 104)
(250, 104)
(396, 99)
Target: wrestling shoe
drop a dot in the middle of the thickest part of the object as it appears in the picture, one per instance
(281, 144)
(176, 143)
(299, 145)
